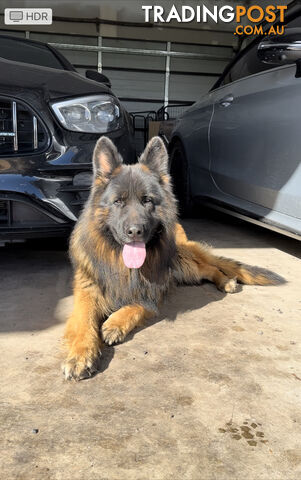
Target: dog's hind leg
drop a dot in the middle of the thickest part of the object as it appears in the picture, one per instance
(82, 338)
(120, 323)
(192, 266)
(191, 254)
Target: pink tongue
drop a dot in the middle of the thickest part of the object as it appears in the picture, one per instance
(134, 254)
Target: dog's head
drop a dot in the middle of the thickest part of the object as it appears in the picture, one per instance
(134, 204)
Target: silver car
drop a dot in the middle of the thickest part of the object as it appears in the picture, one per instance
(239, 147)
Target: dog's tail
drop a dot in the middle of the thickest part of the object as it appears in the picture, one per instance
(245, 273)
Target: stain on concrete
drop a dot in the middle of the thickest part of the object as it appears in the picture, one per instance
(184, 400)
(237, 328)
(245, 431)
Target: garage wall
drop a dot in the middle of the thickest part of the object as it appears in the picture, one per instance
(143, 77)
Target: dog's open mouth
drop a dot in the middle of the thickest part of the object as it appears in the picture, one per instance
(134, 254)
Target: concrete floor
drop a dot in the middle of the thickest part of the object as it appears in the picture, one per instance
(209, 390)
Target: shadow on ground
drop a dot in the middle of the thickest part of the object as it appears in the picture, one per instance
(36, 280)
(34, 277)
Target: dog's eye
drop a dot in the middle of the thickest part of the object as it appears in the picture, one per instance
(147, 200)
(118, 201)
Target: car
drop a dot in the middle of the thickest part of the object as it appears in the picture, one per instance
(50, 119)
(238, 148)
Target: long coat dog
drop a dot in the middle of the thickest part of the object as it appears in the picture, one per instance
(127, 249)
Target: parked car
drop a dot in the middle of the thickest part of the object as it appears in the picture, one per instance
(50, 119)
(238, 148)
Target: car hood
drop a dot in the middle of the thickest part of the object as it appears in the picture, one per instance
(55, 84)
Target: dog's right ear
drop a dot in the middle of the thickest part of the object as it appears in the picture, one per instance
(105, 158)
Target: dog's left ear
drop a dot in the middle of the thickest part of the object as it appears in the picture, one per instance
(155, 156)
(105, 158)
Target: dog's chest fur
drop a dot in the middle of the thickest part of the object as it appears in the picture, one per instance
(146, 286)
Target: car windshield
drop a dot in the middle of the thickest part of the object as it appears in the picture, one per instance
(26, 52)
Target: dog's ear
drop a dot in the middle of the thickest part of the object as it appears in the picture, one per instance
(105, 158)
(155, 156)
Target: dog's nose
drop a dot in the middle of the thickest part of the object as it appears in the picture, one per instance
(135, 232)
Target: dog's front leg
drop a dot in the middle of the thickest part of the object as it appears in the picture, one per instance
(82, 337)
(120, 323)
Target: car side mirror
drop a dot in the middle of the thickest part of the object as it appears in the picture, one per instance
(98, 77)
(281, 49)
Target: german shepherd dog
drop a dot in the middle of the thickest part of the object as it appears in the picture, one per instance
(127, 249)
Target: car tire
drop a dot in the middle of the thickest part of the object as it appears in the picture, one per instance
(180, 178)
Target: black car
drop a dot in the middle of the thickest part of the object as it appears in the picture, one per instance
(50, 119)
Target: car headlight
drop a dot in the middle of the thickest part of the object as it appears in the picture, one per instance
(95, 114)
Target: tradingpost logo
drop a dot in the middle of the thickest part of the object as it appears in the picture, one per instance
(248, 19)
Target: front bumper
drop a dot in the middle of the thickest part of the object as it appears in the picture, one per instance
(43, 195)
(22, 218)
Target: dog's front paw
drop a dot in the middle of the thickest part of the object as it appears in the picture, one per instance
(78, 367)
(230, 286)
(112, 331)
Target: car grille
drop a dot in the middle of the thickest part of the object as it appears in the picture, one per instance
(21, 131)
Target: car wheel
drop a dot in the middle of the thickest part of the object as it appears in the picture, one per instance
(180, 178)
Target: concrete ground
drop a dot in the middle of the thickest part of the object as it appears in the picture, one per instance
(209, 390)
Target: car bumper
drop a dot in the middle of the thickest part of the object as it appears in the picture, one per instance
(42, 195)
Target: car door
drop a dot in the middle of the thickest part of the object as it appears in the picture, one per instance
(255, 139)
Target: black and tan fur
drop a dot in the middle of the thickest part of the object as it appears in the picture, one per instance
(110, 299)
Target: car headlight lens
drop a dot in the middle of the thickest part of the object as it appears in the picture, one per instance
(97, 114)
